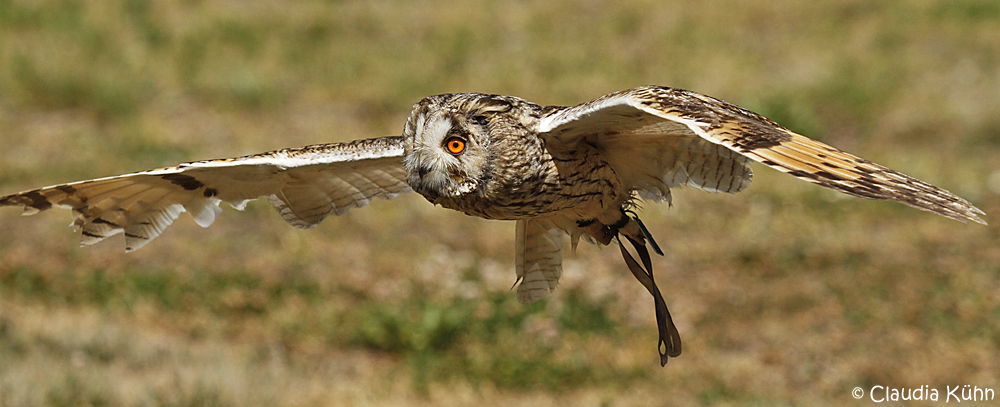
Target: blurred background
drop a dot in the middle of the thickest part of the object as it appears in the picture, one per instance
(785, 294)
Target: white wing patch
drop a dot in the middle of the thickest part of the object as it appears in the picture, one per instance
(306, 185)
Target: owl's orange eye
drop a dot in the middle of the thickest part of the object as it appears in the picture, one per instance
(455, 145)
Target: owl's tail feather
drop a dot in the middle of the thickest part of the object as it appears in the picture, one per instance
(669, 344)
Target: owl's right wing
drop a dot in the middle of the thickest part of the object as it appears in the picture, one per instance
(657, 137)
(304, 184)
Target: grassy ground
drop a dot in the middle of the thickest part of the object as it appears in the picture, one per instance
(785, 294)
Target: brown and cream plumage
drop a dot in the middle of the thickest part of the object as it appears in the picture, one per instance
(557, 171)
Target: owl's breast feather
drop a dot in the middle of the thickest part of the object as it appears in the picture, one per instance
(580, 183)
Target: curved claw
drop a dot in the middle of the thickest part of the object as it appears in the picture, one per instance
(645, 232)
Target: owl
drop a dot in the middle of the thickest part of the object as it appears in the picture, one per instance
(557, 171)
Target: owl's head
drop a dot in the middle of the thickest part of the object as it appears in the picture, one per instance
(447, 143)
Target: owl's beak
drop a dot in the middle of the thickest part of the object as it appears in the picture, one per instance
(419, 184)
(422, 171)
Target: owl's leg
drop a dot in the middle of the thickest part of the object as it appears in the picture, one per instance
(669, 344)
(635, 232)
(603, 233)
(600, 232)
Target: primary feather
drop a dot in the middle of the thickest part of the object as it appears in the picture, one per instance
(641, 131)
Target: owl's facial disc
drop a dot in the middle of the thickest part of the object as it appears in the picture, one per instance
(445, 153)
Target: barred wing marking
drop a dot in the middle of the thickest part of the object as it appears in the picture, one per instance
(746, 134)
(305, 184)
(538, 258)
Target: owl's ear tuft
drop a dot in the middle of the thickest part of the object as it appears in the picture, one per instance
(495, 105)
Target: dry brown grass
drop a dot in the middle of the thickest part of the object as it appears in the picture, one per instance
(785, 294)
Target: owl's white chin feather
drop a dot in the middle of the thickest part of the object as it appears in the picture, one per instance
(432, 178)
(439, 185)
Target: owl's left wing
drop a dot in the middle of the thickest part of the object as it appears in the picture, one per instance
(304, 184)
(658, 137)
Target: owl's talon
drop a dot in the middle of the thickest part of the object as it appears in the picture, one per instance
(645, 232)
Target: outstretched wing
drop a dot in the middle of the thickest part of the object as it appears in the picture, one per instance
(657, 137)
(304, 184)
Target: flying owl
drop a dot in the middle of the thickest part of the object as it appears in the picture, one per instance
(557, 171)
